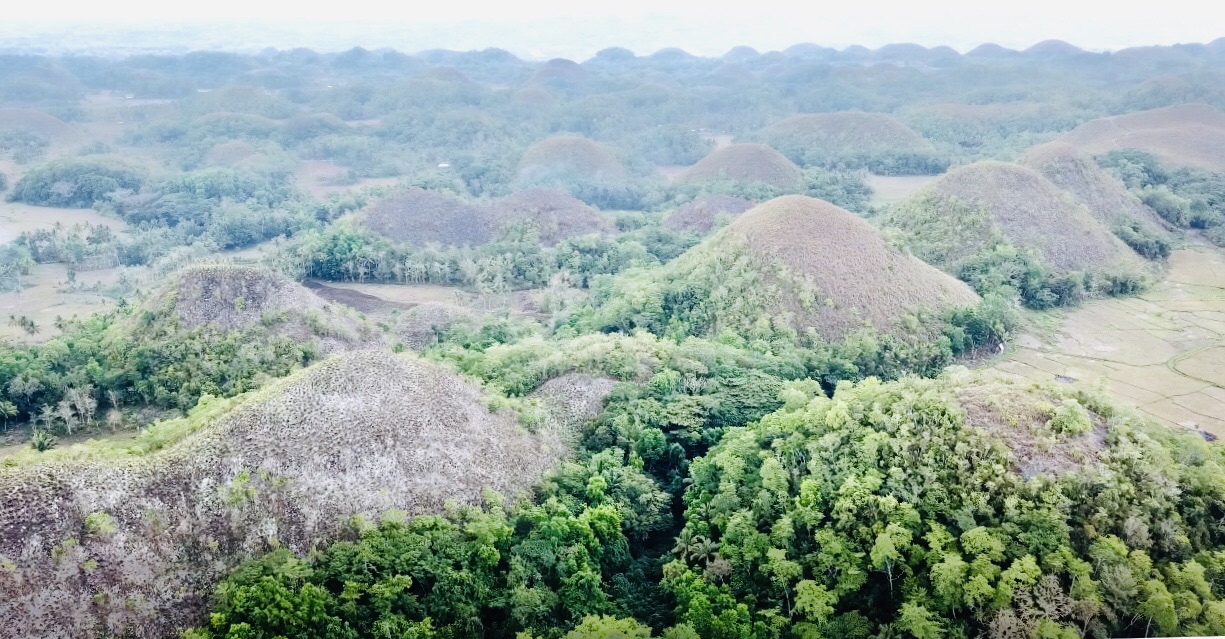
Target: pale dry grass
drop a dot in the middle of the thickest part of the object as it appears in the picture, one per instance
(1186, 135)
(1104, 195)
(745, 163)
(358, 434)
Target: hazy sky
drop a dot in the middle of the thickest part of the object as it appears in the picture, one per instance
(709, 25)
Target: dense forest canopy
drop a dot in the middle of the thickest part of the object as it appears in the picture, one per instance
(712, 326)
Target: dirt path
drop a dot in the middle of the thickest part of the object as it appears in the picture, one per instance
(1163, 351)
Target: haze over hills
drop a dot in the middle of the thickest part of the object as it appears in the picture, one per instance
(575, 37)
(787, 327)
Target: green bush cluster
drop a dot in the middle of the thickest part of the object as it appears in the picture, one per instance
(1184, 197)
(76, 182)
(1143, 240)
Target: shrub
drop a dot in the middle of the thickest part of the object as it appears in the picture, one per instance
(1121, 284)
(1143, 240)
(75, 183)
(1172, 208)
(42, 441)
(1070, 418)
(1216, 234)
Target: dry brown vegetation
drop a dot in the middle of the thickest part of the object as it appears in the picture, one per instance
(228, 298)
(574, 397)
(703, 213)
(849, 132)
(823, 267)
(418, 327)
(745, 163)
(1018, 205)
(570, 155)
(1104, 195)
(128, 541)
(555, 213)
(421, 217)
(38, 122)
(1186, 134)
(1018, 415)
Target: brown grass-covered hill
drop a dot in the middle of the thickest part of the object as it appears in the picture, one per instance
(555, 213)
(535, 97)
(570, 155)
(127, 538)
(965, 212)
(37, 122)
(704, 212)
(1053, 48)
(419, 326)
(421, 217)
(815, 265)
(1186, 135)
(226, 298)
(745, 163)
(1104, 195)
(231, 154)
(845, 133)
(990, 50)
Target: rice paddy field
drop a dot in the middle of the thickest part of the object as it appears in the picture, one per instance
(1162, 351)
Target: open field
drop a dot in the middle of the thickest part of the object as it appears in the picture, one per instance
(887, 189)
(44, 301)
(17, 218)
(1163, 351)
